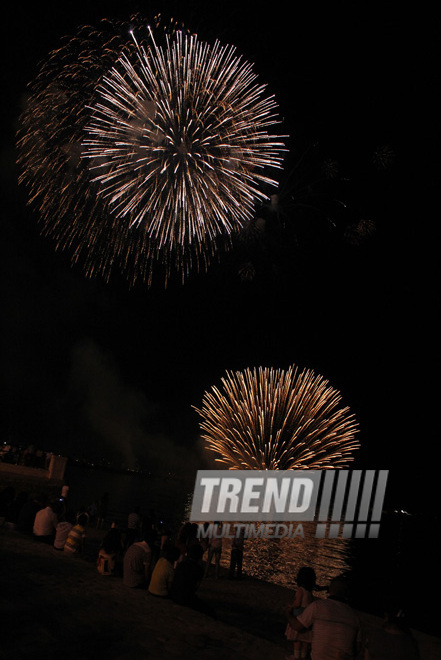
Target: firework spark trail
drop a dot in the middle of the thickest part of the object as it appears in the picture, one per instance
(177, 170)
(184, 129)
(277, 420)
(49, 150)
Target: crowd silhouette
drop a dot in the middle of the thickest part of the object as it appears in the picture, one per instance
(145, 554)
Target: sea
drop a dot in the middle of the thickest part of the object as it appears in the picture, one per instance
(402, 562)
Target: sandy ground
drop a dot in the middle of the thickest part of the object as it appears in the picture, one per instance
(56, 606)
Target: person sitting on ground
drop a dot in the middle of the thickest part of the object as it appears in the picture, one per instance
(393, 640)
(62, 531)
(92, 510)
(153, 539)
(82, 511)
(112, 541)
(77, 535)
(45, 523)
(110, 551)
(163, 538)
(134, 526)
(26, 517)
(163, 573)
(106, 562)
(187, 536)
(335, 625)
(186, 581)
(136, 565)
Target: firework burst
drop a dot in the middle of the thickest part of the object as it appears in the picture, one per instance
(178, 140)
(270, 419)
(360, 231)
(139, 155)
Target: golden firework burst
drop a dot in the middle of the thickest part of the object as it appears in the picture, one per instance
(271, 419)
(145, 150)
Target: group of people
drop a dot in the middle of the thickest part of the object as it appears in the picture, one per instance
(329, 628)
(164, 566)
(50, 520)
(146, 556)
(142, 552)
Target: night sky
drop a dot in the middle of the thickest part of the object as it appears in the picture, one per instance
(91, 368)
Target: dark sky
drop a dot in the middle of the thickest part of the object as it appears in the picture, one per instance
(92, 368)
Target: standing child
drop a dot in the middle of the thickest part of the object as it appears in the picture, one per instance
(305, 581)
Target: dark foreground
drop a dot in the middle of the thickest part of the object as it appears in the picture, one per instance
(54, 606)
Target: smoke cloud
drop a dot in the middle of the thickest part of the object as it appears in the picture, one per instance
(115, 418)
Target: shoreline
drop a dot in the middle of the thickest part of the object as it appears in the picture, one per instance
(51, 604)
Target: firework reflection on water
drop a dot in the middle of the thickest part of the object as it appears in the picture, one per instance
(278, 560)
